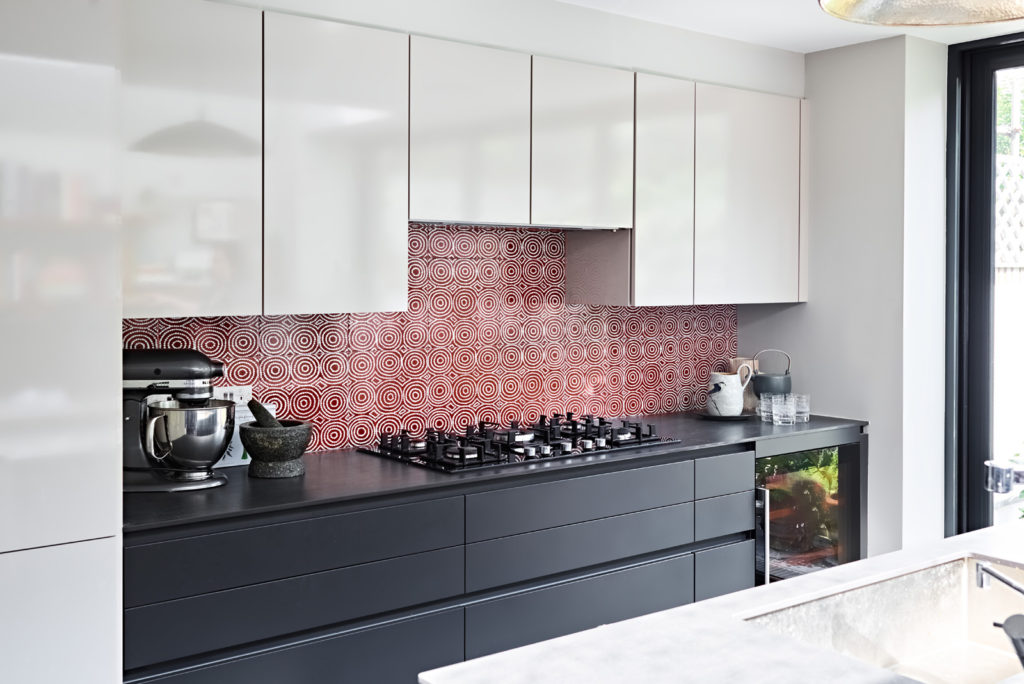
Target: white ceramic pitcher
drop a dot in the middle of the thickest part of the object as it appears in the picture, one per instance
(725, 391)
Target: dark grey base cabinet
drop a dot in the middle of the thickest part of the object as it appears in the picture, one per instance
(555, 611)
(382, 592)
(222, 619)
(392, 654)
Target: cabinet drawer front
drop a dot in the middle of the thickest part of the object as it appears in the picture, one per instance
(499, 562)
(724, 570)
(724, 515)
(537, 615)
(536, 507)
(392, 654)
(200, 565)
(191, 626)
(727, 474)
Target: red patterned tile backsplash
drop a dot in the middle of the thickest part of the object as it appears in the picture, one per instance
(488, 336)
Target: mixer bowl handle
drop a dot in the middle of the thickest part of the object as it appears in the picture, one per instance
(150, 438)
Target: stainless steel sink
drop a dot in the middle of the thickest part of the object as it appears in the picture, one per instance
(933, 624)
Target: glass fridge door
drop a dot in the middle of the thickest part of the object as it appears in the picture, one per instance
(798, 513)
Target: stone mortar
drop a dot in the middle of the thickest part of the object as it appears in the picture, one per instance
(276, 452)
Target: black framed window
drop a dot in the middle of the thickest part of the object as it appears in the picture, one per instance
(976, 107)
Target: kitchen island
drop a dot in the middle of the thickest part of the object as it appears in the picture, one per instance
(714, 641)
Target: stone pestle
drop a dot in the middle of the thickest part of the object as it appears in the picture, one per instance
(263, 417)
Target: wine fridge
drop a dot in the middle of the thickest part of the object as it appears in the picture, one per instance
(809, 511)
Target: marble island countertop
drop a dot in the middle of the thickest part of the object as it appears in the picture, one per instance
(710, 641)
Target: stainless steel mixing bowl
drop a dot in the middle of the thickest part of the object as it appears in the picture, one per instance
(188, 440)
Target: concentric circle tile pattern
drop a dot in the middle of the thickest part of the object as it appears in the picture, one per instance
(488, 337)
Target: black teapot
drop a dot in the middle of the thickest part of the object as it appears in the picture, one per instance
(772, 383)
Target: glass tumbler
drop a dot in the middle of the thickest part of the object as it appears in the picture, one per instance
(802, 403)
(764, 407)
(783, 409)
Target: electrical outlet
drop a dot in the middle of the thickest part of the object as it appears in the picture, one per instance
(239, 395)
(235, 454)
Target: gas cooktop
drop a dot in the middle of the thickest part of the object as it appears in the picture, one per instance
(489, 445)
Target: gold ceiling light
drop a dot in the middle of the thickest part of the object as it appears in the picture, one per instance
(924, 12)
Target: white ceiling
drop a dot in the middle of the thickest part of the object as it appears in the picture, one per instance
(797, 25)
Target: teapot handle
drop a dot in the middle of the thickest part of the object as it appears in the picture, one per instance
(750, 374)
(789, 359)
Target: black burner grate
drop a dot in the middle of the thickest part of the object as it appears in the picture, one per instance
(488, 445)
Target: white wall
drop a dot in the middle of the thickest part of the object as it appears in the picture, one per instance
(873, 324)
(555, 29)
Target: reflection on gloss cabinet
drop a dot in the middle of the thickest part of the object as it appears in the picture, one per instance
(191, 119)
(582, 145)
(60, 293)
(336, 167)
(469, 155)
(747, 194)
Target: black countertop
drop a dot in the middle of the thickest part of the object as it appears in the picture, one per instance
(337, 477)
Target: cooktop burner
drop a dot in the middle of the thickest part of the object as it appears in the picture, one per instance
(489, 445)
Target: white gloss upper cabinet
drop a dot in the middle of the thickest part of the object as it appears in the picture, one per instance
(582, 145)
(663, 233)
(191, 167)
(469, 155)
(747, 214)
(336, 167)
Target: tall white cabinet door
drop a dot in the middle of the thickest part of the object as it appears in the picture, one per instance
(747, 216)
(336, 167)
(191, 169)
(582, 145)
(60, 284)
(469, 122)
(61, 617)
(663, 234)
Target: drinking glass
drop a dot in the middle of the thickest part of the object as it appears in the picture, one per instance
(803, 407)
(783, 409)
(764, 407)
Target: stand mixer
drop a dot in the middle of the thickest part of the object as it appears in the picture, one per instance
(171, 446)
